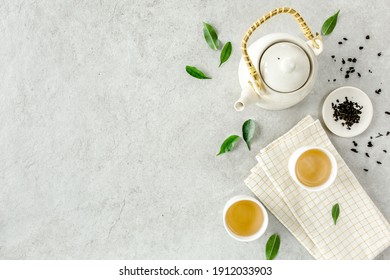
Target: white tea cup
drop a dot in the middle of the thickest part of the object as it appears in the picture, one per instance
(293, 162)
(263, 226)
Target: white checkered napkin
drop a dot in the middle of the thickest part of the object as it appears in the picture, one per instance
(361, 231)
(262, 187)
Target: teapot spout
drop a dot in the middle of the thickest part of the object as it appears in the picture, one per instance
(248, 97)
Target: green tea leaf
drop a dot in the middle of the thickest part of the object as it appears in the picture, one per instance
(195, 72)
(248, 130)
(335, 212)
(330, 24)
(228, 144)
(272, 247)
(225, 53)
(211, 36)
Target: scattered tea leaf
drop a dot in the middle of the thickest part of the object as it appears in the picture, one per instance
(225, 53)
(195, 72)
(330, 24)
(228, 144)
(335, 212)
(272, 246)
(211, 36)
(248, 130)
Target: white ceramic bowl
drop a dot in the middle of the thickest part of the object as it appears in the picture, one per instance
(293, 160)
(263, 227)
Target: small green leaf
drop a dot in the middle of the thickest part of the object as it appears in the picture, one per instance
(225, 53)
(335, 212)
(228, 144)
(330, 24)
(195, 72)
(272, 247)
(248, 130)
(211, 36)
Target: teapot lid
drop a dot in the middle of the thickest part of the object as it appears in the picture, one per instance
(285, 67)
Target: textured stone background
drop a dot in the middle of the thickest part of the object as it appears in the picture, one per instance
(108, 147)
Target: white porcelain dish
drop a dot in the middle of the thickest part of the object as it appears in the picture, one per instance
(355, 95)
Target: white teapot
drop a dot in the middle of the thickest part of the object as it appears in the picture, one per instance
(278, 70)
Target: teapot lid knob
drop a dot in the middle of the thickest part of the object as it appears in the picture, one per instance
(287, 65)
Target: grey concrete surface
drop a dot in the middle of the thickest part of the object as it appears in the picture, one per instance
(108, 147)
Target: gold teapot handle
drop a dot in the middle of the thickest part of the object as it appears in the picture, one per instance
(302, 23)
